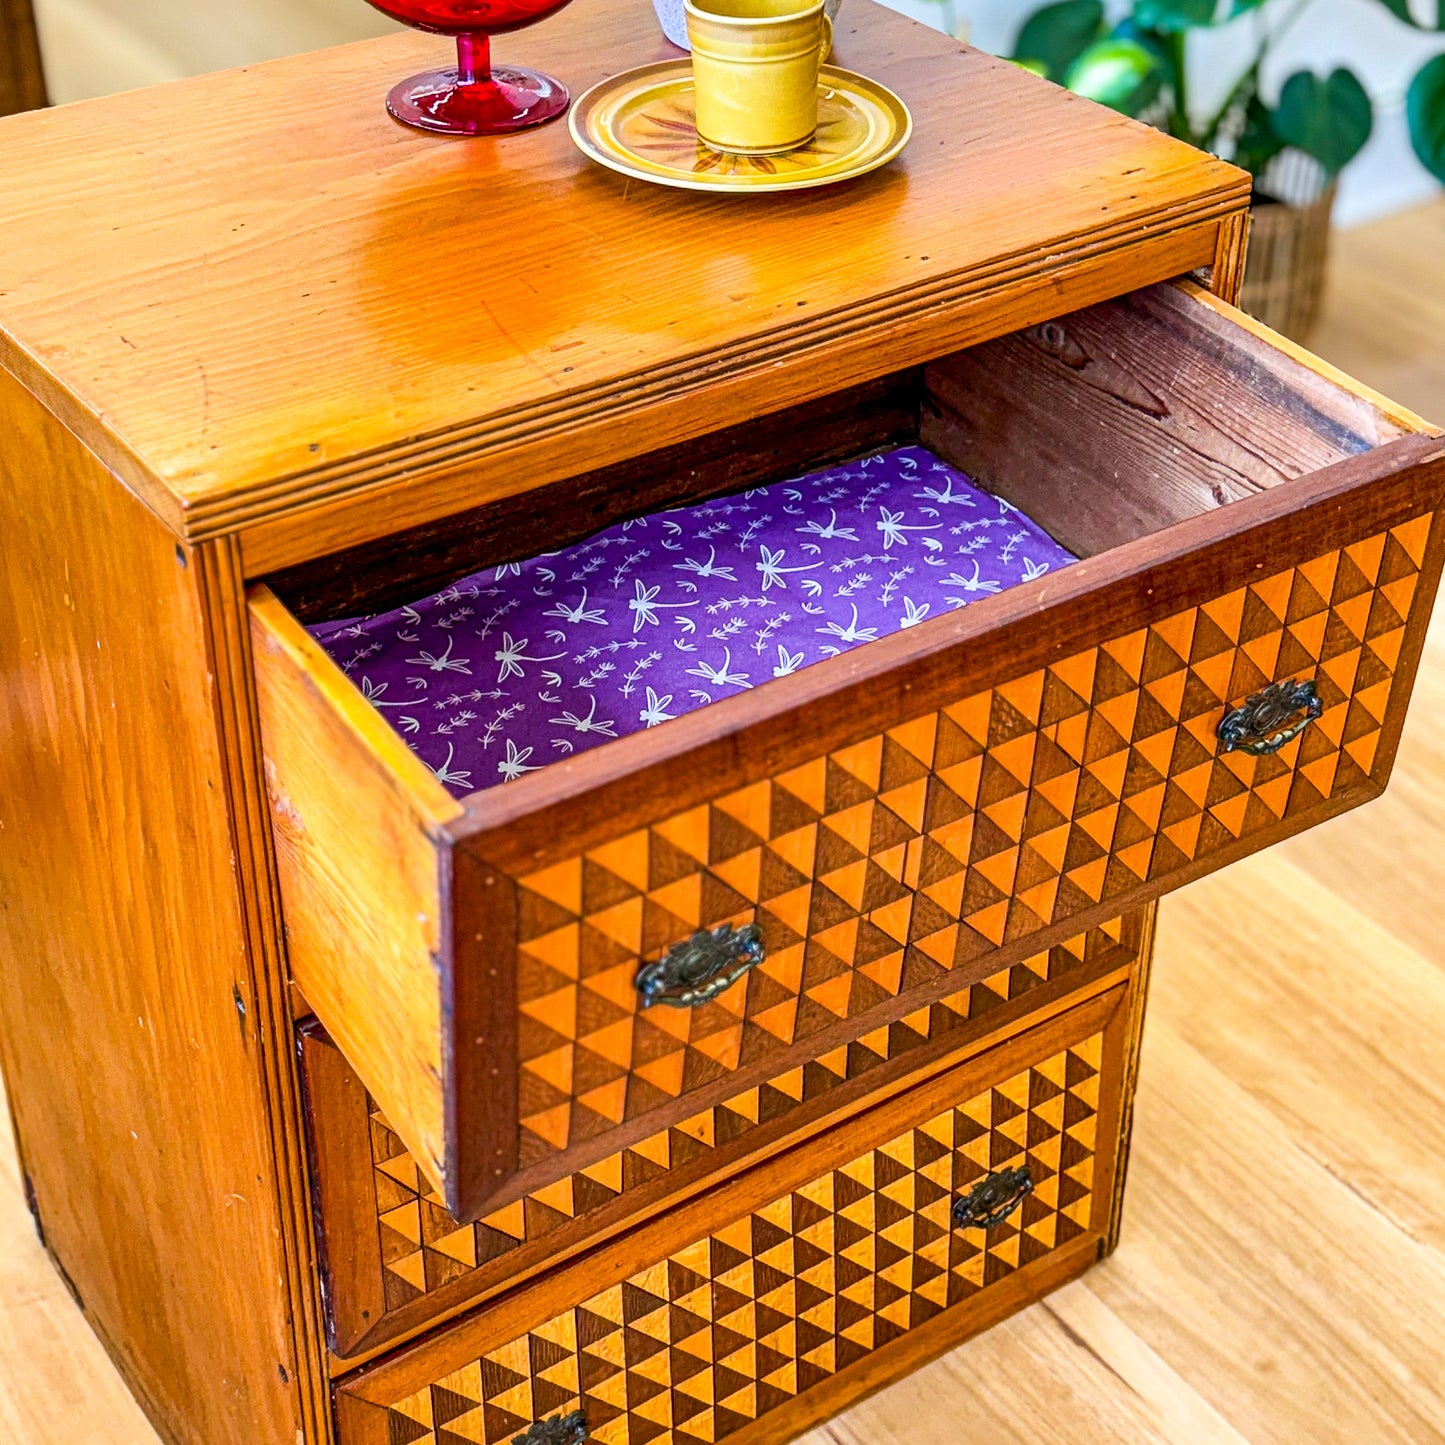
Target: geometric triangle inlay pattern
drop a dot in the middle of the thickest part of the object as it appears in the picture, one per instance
(878, 868)
(721, 1332)
(423, 1247)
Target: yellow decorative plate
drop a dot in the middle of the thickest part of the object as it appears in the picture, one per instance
(641, 124)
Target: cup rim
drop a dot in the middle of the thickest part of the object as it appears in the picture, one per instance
(690, 8)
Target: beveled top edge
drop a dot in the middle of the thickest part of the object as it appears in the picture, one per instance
(183, 356)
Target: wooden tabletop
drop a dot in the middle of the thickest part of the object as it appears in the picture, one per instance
(252, 289)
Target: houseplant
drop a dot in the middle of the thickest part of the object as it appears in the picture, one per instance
(1294, 144)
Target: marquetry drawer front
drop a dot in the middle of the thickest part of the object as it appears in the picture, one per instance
(532, 978)
(877, 872)
(395, 1258)
(771, 1312)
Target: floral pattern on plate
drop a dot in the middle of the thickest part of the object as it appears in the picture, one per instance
(664, 131)
(642, 124)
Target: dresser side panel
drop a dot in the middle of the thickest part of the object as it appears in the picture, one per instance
(127, 1023)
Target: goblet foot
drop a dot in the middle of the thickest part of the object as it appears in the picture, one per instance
(512, 98)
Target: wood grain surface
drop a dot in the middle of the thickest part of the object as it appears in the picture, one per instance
(272, 991)
(355, 817)
(1180, 407)
(295, 330)
(740, 385)
(127, 1009)
(1299, 996)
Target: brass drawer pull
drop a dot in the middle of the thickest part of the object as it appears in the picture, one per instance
(1271, 718)
(992, 1200)
(708, 964)
(559, 1430)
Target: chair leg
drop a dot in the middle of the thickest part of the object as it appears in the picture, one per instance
(22, 80)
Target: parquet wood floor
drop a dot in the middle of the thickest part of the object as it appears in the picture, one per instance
(1281, 1278)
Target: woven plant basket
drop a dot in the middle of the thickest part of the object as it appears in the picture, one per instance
(1289, 242)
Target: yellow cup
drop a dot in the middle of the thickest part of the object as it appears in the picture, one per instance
(755, 72)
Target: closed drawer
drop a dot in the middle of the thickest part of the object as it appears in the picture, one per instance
(773, 1301)
(394, 1260)
(906, 818)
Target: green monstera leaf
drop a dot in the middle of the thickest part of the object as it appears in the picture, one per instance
(1122, 74)
(1329, 119)
(1056, 35)
(1258, 143)
(1425, 113)
(1129, 29)
(1172, 16)
(1403, 10)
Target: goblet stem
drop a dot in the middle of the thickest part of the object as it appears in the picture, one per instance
(474, 59)
(475, 99)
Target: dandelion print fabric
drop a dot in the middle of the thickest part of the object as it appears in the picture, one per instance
(519, 665)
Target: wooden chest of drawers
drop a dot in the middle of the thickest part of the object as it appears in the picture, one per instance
(334, 1091)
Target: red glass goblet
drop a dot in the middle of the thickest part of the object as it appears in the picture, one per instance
(475, 97)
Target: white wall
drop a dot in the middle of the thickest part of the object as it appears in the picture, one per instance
(1359, 33)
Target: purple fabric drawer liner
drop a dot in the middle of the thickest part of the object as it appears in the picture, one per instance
(518, 665)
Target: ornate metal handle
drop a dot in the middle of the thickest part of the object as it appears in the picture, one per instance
(708, 964)
(992, 1200)
(559, 1430)
(1271, 718)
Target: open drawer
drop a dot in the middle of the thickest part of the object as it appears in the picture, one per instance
(1229, 663)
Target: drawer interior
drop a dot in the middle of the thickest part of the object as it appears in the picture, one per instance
(1096, 430)
(449, 940)
(1121, 420)
(1103, 426)
(513, 667)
